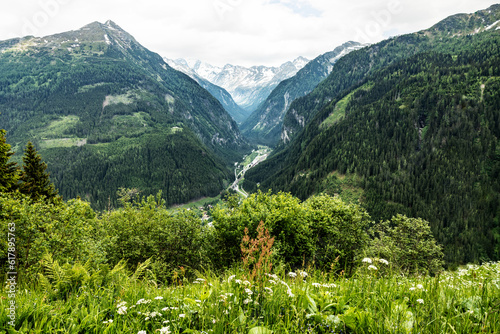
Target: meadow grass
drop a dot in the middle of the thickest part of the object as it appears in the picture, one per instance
(309, 301)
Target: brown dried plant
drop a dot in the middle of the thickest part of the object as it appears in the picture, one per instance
(256, 254)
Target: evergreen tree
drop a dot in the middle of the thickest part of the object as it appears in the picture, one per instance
(35, 180)
(8, 170)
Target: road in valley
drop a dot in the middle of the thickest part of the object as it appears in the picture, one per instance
(262, 155)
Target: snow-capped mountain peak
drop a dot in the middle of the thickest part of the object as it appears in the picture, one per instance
(249, 86)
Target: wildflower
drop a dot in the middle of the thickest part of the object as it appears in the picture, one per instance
(367, 260)
(155, 314)
(214, 321)
(182, 315)
(292, 274)
(420, 286)
(201, 279)
(165, 330)
(412, 288)
(272, 281)
(248, 291)
(383, 261)
(198, 301)
(290, 294)
(166, 321)
(230, 278)
(159, 298)
(122, 310)
(141, 332)
(303, 274)
(269, 290)
(110, 321)
(273, 276)
(317, 285)
(372, 267)
(421, 301)
(121, 304)
(247, 301)
(165, 309)
(143, 301)
(246, 283)
(238, 281)
(147, 318)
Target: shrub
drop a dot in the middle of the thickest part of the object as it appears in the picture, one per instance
(408, 244)
(339, 231)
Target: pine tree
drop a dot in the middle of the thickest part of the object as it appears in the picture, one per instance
(8, 170)
(35, 180)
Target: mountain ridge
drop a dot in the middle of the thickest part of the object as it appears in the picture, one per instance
(248, 86)
(76, 94)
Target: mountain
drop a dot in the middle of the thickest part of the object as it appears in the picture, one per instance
(106, 113)
(264, 125)
(355, 68)
(222, 95)
(249, 87)
(409, 125)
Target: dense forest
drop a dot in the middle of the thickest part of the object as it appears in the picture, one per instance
(422, 136)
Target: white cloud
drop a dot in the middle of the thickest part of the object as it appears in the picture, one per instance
(246, 32)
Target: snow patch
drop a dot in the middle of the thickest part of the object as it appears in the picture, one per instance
(106, 38)
(491, 26)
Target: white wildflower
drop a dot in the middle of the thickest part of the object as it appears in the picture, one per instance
(214, 321)
(303, 274)
(155, 314)
(159, 298)
(182, 315)
(165, 330)
(272, 281)
(412, 288)
(147, 318)
(383, 261)
(110, 321)
(248, 291)
(201, 279)
(269, 290)
(420, 286)
(273, 276)
(372, 267)
(247, 283)
(421, 301)
(122, 310)
(247, 301)
(230, 278)
(121, 304)
(238, 281)
(316, 285)
(367, 260)
(141, 332)
(198, 301)
(292, 274)
(290, 294)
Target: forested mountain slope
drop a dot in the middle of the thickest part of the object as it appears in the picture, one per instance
(354, 67)
(420, 135)
(265, 124)
(104, 111)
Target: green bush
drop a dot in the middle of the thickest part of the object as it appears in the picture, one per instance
(66, 230)
(339, 231)
(145, 228)
(408, 244)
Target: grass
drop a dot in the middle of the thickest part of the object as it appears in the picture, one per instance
(339, 110)
(373, 301)
(58, 127)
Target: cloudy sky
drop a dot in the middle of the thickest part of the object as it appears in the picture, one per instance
(240, 32)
